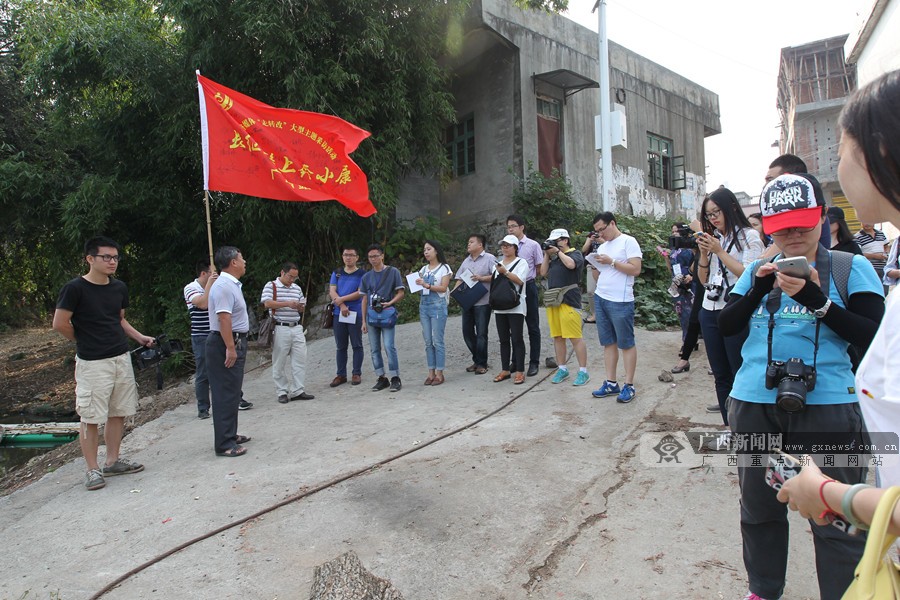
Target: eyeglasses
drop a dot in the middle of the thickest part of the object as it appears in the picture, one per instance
(602, 229)
(348, 255)
(108, 257)
(513, 226)
(373, 256)
(787, 231)
(713, 214)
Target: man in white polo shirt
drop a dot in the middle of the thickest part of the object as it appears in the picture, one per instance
(286, 300)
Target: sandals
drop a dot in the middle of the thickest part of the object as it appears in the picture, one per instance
(471, 368)
(429, 380)
(520, 378)
(438, 379)
(233, 452)
(481, 370)
(502, 376)
(242, 439)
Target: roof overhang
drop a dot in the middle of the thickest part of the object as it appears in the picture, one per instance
(568, 81)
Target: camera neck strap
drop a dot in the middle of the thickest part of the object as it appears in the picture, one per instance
(773, 302)
(722, 269)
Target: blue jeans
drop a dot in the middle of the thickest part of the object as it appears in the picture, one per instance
(475, 323)
(724, 354)
(352, 333)
(201, 379)
(433, 316)
(375, 337)
(615, 322)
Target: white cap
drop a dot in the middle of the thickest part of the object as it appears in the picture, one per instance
(511, 240)
(556, 234)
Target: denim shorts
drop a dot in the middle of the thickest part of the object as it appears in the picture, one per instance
(615, 322)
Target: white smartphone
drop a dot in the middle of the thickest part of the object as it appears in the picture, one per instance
(796, 266)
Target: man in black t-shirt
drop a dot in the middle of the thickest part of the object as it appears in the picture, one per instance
(91, 312)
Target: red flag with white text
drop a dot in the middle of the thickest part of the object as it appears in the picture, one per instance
(258, 150)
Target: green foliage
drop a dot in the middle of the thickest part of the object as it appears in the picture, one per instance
(548, 203)
(544, 5)
(404, 246)
(652, 304)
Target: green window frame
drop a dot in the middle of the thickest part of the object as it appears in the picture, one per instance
(459, 144)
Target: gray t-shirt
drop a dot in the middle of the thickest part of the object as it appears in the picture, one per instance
(385, 283)
(225, 296)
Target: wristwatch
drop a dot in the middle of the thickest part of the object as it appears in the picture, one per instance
(820, 312)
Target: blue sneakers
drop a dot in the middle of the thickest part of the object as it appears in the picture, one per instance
(627, 394)
(560, 376)
(582, 378)
(609, 388)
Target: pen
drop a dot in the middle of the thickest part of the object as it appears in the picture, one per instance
(868, 393)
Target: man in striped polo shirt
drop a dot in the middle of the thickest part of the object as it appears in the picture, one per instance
(286, 300)
(196, 296)
(871, 241)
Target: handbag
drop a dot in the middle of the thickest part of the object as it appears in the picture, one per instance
(555, 296)
(384, 319)
(504, 295)
(267, 326)
(328, 316)
(876, 576)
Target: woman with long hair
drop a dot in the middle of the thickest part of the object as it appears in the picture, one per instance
(869, 173)
(728, 244)
(841, 237)
(434, 278)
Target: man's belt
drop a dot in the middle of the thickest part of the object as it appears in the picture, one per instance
(237, 335)
(287, 323)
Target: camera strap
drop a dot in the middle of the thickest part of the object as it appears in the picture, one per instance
(773, 302)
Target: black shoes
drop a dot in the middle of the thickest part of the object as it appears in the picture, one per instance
(381, 384)
(283, 399)
(203, 414)
(244, 405)
(532, 369)
(302, 396)
(395, 384)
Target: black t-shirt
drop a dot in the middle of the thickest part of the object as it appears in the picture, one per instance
(96, 316)
(558, 276)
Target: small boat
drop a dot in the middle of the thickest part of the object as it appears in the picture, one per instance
(38, 435)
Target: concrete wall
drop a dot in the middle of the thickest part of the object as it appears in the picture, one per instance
(503, 49)
(878, 51)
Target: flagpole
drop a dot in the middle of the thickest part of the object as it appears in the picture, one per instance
(209, 229)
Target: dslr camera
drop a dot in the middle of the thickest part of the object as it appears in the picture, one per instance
(686, 238)
(377, 303)
(143, 357)
(794, 379)
(549, 244)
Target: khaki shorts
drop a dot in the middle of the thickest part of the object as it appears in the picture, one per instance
(565, 321)
(105, 388)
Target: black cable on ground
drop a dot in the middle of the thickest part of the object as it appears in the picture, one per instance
(118, 581)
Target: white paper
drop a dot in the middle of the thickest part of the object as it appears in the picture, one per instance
(350, 318)
(592, 259)
(676, 269)
(468, 278)
(411, 282)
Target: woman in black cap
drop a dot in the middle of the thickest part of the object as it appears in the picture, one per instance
(841, 238)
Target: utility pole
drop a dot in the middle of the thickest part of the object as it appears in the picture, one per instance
(606, 179)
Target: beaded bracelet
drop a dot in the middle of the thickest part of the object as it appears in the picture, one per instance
(847, 505)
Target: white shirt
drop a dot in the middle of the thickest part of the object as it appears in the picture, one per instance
(878, 386)
(751, 247)
(520, 271)
(613, 284)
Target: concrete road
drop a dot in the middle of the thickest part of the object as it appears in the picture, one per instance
(556, 496)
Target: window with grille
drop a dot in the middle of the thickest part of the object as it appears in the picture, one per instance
(460, 146)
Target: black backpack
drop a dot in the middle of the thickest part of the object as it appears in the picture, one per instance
(504, 295)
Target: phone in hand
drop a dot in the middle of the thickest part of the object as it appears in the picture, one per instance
(784, 466)
(795, 266)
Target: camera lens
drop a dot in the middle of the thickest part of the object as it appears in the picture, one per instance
(791, 396)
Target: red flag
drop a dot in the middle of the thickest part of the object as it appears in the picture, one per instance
(279, 153)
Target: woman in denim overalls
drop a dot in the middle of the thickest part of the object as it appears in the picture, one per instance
(434, 278)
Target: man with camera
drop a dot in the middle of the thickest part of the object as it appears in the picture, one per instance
(285, 299)
(91, 312)
(796, 374)
(563, 266)
(381, 289)
(196, 296)
(226, 350)
(620, 260)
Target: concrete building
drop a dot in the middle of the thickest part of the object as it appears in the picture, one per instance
(814, 82)
(525, 89)
(875, 50)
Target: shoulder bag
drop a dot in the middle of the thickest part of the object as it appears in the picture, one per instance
(503, 294)
(555, 296)
(876, 575)
(267, 325)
